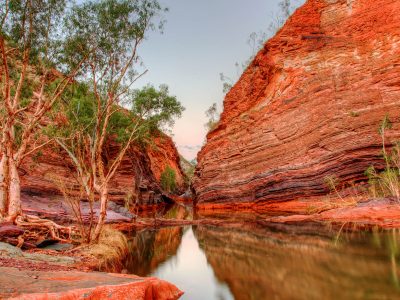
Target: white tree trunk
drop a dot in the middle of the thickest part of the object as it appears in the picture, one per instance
(14, 207)
(3, 186)
(103, 212)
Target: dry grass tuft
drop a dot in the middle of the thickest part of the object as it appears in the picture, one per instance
(334, 203)
(110, 251)
(387, 182)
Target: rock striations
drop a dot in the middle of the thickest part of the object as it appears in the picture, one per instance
(138, 177)
(308, 107)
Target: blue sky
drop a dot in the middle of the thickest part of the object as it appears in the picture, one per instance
(201, 39)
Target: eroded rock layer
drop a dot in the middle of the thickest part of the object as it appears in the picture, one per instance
(308, 107)
(138, 178)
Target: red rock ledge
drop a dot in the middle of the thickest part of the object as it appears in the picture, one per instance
(35, 285)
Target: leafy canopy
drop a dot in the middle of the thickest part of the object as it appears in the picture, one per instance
(108, 31)
(157, 107)
(34, 25)
(168, 180)
(148, 109)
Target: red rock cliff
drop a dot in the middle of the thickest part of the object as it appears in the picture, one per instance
(308, 106)
(138, 176)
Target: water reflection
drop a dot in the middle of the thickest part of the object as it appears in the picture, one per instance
(150, 248)
(235, 263)
(167, 211)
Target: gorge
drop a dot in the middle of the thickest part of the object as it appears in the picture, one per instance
(295, 193)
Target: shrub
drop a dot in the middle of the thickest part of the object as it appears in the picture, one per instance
(354, 114)
(168, 180)
(387, 182)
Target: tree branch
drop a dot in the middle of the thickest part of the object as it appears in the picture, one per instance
(117, 161)
(36, 148)
(5, 15)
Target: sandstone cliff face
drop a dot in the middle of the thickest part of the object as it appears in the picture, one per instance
(138, 178)
(308, 106)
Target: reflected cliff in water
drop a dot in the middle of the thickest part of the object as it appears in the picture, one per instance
(277, 266)
(150, 248)
(210, 262)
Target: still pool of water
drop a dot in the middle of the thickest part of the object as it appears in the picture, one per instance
(209, 262)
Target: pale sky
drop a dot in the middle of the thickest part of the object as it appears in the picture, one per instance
(201, 39)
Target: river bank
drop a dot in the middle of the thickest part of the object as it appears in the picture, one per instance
(51, 274)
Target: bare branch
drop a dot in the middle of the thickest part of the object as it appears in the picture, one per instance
(25, 60)
(120, 156)
(36, 148)
(131, 83)
(7, 85)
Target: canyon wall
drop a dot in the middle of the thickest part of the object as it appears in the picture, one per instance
(308, 107)
(137, 179)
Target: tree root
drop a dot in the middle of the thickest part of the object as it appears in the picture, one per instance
(57, 232)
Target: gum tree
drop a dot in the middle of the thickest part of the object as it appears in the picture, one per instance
(145, 111)
(29, 84)
(109, 33)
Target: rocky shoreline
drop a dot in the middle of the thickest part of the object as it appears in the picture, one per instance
(35, 275)
(305, 216)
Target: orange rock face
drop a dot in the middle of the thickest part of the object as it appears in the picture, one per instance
(138, 176)
(35, 285)
(309, 106)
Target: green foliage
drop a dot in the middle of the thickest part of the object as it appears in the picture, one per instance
(18, 134)
(385, 124)
(157, 107)
(81, 112)
(105, 30)
(36, 156)
(227, 82)
(34, 25)
(387, 182)
(27, 87)
(256, 40)
(150, 110)
(168, 180)
(213, 117)
(78, 107)
(354, 114)
(188, 168)
(121, 125)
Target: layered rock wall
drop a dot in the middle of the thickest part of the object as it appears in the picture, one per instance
(308, 107)
(138, 178)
